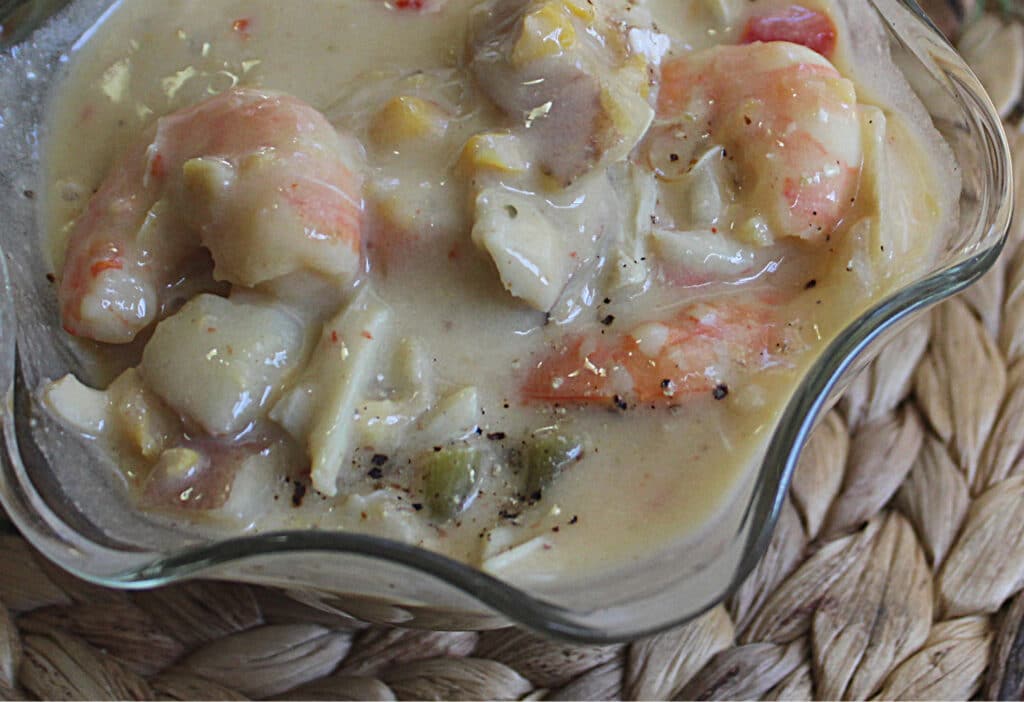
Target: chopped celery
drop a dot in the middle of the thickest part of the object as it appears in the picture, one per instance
(449, 478)
(545, 456)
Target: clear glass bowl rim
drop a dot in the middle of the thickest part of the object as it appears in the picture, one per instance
(772, 481)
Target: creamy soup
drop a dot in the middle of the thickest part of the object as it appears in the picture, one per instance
(525, 282)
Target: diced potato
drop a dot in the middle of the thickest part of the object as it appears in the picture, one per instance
(380, 514)
(511, 561)
(140, 417)
(708, 191)
(728, 12)
(528, 250)
(348, 350)
(321, 407)
(628, 254)
(449, 479)
(256, 480)
(77, 405)
(410, 369)
(221, 363)
(890, 229)
(408, 213)
(703, 251)
(406, 118)
(698, 196)
(383, 423)
(294, 411)
(547, 31)
(454, 417)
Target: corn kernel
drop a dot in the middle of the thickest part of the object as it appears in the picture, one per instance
(406, 118)
(581, 9)
(756, 232)
(177, 462)
(547, 31)
(492, 151)
(634, 72)
(629, 113)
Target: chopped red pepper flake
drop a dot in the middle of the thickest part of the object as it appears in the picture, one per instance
(106, 264)
(241, 26)
(156, 167)
(409, 4)
(367, 335)
(334, 337)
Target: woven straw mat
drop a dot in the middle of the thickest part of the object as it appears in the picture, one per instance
(893, 573)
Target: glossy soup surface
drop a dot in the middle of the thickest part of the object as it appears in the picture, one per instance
(523, 282)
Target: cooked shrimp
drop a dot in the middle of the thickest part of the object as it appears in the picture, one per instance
(703, 348)
(786, 121)
(259, 179)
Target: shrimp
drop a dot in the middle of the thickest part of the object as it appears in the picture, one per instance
(785, 120)
(701, 349)
(259, 179)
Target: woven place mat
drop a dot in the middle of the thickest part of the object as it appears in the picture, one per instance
(893, 572)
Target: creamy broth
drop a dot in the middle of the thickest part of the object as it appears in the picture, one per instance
(453, 340)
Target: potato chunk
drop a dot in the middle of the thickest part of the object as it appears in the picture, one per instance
(220, 363)
(321, 408)
(528, 250)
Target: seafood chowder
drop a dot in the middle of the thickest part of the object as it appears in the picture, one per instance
(523, 282)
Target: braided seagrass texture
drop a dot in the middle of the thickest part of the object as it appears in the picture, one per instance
(894, 571)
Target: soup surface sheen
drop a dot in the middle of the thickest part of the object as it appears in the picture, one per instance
(525, 282)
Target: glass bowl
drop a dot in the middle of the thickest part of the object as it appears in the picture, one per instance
(57, 488)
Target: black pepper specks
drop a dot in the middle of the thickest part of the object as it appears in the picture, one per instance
(375, 473)
(720, 392)
(496, 435)
(810, 284)
(620, 403)
(379, 459)
(298, 493)
(608, 319)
